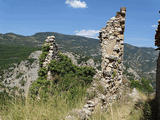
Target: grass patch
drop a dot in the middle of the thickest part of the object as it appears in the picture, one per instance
(55, 108)
(125, 109)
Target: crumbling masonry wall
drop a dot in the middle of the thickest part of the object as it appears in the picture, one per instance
(52, 47)
(112, 46)
(157, 43)
(110, 78)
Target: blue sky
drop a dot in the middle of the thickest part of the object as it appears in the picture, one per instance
(80, 17)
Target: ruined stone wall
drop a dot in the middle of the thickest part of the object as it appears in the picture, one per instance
(157, 43)
(112, 45)
(107, 88)
(52, 53)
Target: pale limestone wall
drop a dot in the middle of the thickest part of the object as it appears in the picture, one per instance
(112, 46)
(107, 88)
(53, 51)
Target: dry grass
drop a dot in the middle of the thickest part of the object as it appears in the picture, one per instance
(123, 110)
(55, 108)
(58, 107)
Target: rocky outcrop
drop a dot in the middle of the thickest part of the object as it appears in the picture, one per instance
(19, 78)
(72, 57)
(157, 43)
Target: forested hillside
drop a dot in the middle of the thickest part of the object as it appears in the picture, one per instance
(14, 48)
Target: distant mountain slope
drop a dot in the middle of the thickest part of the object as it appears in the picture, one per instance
(140, 59)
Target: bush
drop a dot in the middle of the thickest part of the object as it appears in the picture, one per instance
(147, 112)
(19, 75)
(22, 82)
(45, 48)
(67, 77)
(31, 60)
(42, 58)
(42, 72)
(143, 85)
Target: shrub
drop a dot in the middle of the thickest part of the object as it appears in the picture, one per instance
(42, 72)
(147, 112)
(19, 75)
(67, 77)
(31, 60)
(22, 82)
(114, 74)
(42, 58)
(45, 48)
(39, 87)
(143, 85)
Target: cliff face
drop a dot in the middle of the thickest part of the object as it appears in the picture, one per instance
(19, 78)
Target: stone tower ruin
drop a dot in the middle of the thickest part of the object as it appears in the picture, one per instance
(111, 39)
(112, 47)
(52, 53)
(157, 43)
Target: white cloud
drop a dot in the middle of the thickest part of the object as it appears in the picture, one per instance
(76, 3)
(87, 33)
(154, 26)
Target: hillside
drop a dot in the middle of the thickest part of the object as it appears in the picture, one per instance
(142, 60)
(68, 83)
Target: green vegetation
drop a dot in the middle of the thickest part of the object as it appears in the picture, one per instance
(124, 109)
(42, 58)
(67, 77)
(147, 112)
(114, 74)
(58, 96)
(22, 82)
(143, 85)
(83, 59)
(100, 88)
(45, 48)
(56, 107)
(53, 99)
(19, 75)
(30, 60)
(86, 47)
(13, 54)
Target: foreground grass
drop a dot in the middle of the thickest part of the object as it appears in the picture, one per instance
(54, 108)
(125, 109)
(58, 106)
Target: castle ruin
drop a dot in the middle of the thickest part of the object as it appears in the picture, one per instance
(52, 47)
(112, 46)
(111, 75)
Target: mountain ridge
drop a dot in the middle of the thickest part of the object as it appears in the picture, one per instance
(140, 59)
